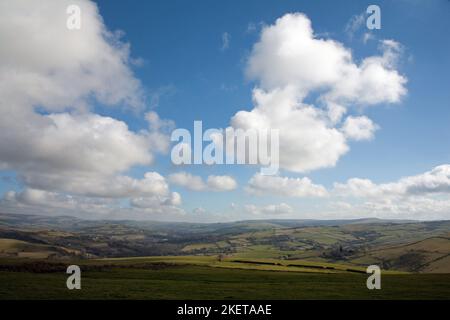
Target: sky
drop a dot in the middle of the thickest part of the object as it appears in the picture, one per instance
(87, 114)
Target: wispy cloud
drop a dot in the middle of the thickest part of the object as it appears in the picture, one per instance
(354, 24)
(225, 41)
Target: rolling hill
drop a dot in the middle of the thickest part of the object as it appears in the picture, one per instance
(395, 245)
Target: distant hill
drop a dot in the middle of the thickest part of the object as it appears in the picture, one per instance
(393, 244)
(73, 223)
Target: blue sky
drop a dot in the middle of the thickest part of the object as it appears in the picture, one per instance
(181, 48)
(188, 73)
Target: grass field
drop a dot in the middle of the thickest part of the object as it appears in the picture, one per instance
(202, 282)
(206, 278)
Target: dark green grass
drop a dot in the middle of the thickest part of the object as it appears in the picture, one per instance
(203, 282)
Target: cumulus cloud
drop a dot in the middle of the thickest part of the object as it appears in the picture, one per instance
(284, 186)
(306, 141)
(48, 70)
(34, 201)
(119, 186)
(187, 180)
(221, 183)
(290, 63)
(436, 181)
(58, 67)
(72, 143)
(359, 128)
(289, 54)
(157, 201)
(196, 183)
(50, 78)
(34, 197)
(374, 81)
(271, 209)
(424, 196)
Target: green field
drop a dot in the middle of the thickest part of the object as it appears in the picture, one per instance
(207, 278)
(197, 282)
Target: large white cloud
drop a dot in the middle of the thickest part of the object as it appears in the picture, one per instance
(289, 54)
(72, 143)
(291, 64)
(306, 142)
(50, 79)
(46, 64)
(48, 70)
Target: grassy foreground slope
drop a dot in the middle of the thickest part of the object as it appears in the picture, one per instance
(188, 277)
(204, 282)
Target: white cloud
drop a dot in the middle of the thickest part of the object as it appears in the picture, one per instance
(436, 181)
(289, 54)
(354, 24)
(187, 180)
(32, 201)
(221, 183)
(272, 209)
(118, 186)
(83, 154)
(359, 128)
(357, 187)
(374, 81)
(290, 63)
(422, 196)
(158, 132)
(156, 201)
(306, 142)
(46, 65)
(50, 78)
(71, 143)
(367, 36)
(59, 67)
(284, 186)
(196, 183)
(38, 197)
